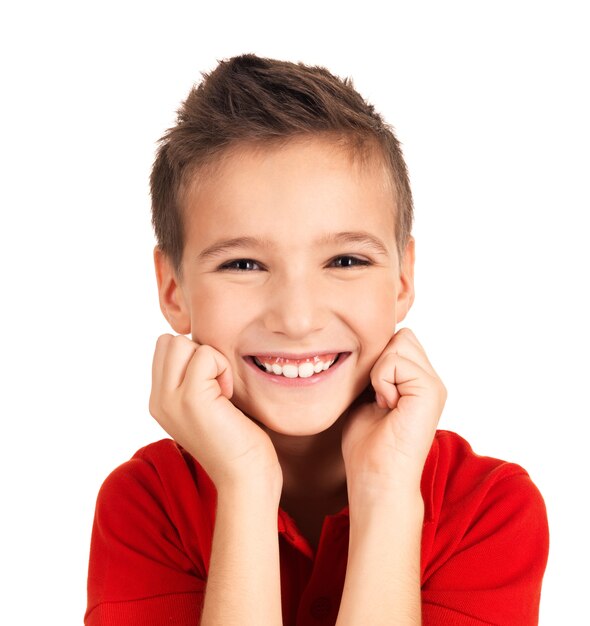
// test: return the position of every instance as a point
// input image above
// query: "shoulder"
(163, 462)
(485, 524)
(459, 486)
(454, 473)
(160, 485)
(485, 539)
(151, 534)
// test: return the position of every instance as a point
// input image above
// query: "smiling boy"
(305, 481)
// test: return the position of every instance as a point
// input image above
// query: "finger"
(397, 376)
(381, 401)
(405, 343)
(209, 365)
(158, 369)
(179, 351)
(159, 358)
(159, 362)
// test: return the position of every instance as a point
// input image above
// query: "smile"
(295, 368)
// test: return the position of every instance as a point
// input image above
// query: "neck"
(313, 467)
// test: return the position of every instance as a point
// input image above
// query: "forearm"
(382, 585)
(243, 586)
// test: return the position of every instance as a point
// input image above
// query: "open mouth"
(300, 368)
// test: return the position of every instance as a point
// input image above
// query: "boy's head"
(265, 102)
(276, 202)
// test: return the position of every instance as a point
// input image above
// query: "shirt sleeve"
(140, 573)
(489, 570)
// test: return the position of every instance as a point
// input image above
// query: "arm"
(151, 558)
(191, 388)
(384, 445)
(382, 583)
(487, 570)
(243, 586)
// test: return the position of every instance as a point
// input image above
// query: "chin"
(297, 421)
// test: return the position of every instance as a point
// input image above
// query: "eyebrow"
(224, 246)
(359, 237)
(227, 245)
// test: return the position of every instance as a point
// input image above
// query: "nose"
(296, 307)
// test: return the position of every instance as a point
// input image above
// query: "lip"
(297, 382)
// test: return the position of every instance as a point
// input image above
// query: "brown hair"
(249, 99)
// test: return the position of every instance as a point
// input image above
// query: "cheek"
(375, 314)
(214, 322)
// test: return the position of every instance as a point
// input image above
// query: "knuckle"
(163, 340)
(179, 342)
(179, 338)
(201, 349)
(204, 351)
(405, 332)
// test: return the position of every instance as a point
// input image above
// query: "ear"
(172, 301)
(405, 296)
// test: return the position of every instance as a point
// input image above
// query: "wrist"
(384, 489)
(367, 508)
(382, 584)
(249, 492)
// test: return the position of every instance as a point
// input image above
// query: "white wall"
(491, 103)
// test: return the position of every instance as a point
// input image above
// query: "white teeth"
(290, 370)
(306, 370)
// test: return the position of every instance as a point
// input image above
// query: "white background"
(491, 103)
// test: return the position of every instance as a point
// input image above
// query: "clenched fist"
(388, 434)
(191, 389)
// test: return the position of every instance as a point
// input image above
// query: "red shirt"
(484, 544)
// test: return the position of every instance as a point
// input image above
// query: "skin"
(360, 436)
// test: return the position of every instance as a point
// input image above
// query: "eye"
(347, 260)
(240, 265)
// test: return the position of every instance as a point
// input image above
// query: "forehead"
(293, 191)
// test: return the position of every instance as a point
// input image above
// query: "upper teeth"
(291, 370)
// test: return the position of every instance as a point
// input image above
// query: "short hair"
(253, 100)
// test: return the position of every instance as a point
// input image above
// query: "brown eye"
(240, 265)
(349, 261)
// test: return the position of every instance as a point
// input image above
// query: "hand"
(191, 388)
(389, 431)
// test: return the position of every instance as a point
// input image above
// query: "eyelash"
(357, 262)
(230, 266)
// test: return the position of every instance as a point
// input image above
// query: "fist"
(389, 431)
(190, 398)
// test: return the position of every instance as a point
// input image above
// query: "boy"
(283, 214)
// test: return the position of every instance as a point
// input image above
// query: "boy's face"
(290, 254)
